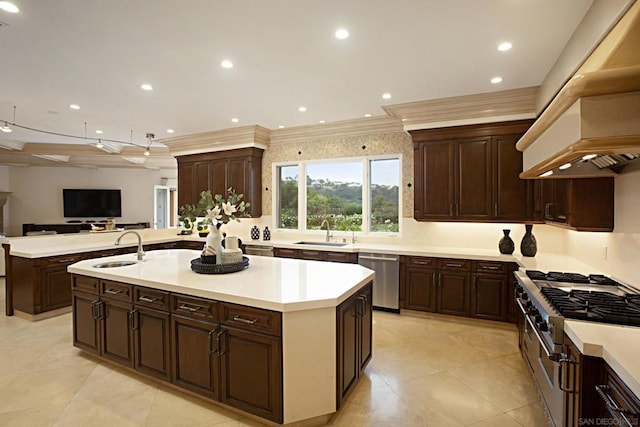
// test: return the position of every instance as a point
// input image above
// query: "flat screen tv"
(91, 203)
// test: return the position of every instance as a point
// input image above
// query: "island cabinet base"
(283, 367)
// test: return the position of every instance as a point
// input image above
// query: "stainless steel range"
(546, 299)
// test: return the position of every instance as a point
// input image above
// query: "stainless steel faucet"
(140, 253)
(324, 225)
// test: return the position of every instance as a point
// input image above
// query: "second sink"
(113, 264)
(320, 243)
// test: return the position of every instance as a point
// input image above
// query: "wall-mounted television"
(84, 203)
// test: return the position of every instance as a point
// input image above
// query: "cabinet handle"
(451, 209)
(99, 310)
(220, 351)
(457, 210)
(629, 417)
(132, 320)
(213, 351)
(489, 267)
(452, 265)
(420, 262)
(95, 313)
(439, 280)
(495, 210)
(547, 210)
(112, 291)
(189, 308)
(147, 299)
(61, 261)
(565, 360)
(237, 318)
(434, 279)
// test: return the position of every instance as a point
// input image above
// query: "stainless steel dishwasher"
(386, 283)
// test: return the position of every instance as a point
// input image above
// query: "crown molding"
(512, 102)
(341, 129)
(218, 140)
(11, 145)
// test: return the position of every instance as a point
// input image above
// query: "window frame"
(366, 192)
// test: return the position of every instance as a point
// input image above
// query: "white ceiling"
(97, 54)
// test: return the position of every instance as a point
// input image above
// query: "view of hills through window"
(335, 191)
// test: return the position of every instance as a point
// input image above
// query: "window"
(361, 194)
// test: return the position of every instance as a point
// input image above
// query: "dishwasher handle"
(374, 258)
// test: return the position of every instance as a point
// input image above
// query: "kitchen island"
(285, 339)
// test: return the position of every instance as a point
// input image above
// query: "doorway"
(161, 206)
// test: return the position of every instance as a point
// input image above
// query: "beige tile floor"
(426, 371)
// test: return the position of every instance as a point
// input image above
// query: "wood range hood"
(596, 114)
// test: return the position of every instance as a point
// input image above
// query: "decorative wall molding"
(492, 104)
(218, 140)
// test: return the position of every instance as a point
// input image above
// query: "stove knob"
(525, 297)
(534, 312)
(538, 319)
(543, 326)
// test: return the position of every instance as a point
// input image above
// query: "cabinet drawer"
(116, 290)
(312, 255)
(251, 319)
(286, 253)
(618, 397)
(153, 298)
(191, 244)
(63, 259)
(489, 267)
(84, 284)
(418, 261)
(454, 264)
(198, 308)
(346, 257)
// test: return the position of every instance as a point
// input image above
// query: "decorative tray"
(199, 267)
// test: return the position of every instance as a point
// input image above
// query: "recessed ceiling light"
(496, 80)
(503, 47)
(342, 34)
(280, 127)
(404, 119)
(99, 132)
(386, 96)
(547, 173)
(235, 120)
(321, 121)
(367, 115)
(170, 130)
(74, 106)
(589, 156)
(9, 7)
(302, 109)
(146, 86)
(565, 166)
(226, 64)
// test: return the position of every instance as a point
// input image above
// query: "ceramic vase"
(214, 240)
(528, 246)
(506, 245)
(255, 233)
(266, 234)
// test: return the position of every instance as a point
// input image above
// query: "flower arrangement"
(215, 210)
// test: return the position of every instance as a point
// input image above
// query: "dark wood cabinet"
(421, 284)
(116, 334)
(354, 328)
(471, 173)
(316, 255)
(584, 204)
(622, 406)
(151, 337)
(454, 288)
(86, 327)
(55, 291)
(240, 169)
(491, 291)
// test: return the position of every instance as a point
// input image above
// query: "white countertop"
(618, 345)
(271, 283)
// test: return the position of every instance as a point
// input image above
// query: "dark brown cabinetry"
(218, 171)
(584, 204)
(458, 287)
(471, 173)
(622, 406)
(354, 328)
(317, 255)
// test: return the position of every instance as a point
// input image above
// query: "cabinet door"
(420, 289)
(365, 327)
(151, 342)
(193, 357)
(186, 184)
(554, 196)
(251, 373)
(454, 293)
(489, 296)
(238, 174)
(473, 179)
(348, 364)
(86, 332)
(311, 255)
(219, 183)
(55, 287)
(512, 198)
(116, 341)
(434, 180)
(202, 172)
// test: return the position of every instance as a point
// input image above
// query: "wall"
(37, 192)
(623, 244)
(5, 184)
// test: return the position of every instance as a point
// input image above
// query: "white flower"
(214, 214)
(228, 208)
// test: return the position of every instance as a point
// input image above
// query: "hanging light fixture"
(99, 144)
(150, 136)
(6, 128)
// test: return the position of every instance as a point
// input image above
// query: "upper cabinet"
(218, 171)
(471, 173)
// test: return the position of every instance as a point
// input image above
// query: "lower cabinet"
(317, 255)
(458, 287)
(354, 333)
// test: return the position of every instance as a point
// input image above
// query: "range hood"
(592, 126)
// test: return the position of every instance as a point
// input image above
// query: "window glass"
(384, 195)
(334, 193)
(287, 200)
